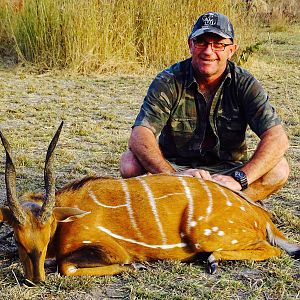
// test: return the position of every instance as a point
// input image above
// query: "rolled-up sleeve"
(157, 105)
(260, 114)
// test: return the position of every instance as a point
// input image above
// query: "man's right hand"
(199, 173)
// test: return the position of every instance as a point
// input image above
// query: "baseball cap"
(215, 23)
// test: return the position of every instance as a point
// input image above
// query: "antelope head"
(34, 223)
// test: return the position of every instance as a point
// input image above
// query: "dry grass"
(110, 35)
(98, 112)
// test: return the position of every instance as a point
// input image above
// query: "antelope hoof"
(139, 266)
(295, 254)
(212, 267)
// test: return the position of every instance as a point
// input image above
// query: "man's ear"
(6, 215)
(232, 50)
(190, 43)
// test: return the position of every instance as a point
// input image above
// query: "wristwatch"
(241, 178)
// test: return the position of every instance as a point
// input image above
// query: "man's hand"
(223, 179)
(199, 173)
(227, 181)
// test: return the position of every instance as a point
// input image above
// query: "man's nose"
(208, 49)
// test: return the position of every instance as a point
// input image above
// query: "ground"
(98, 112)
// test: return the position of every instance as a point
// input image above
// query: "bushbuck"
(99, 226)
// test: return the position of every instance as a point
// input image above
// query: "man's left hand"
(227, 181)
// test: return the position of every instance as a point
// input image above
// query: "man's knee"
(270, 182)
(130, 166)
(278, 175)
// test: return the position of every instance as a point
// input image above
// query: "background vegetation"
(117, 35)
(43, 48)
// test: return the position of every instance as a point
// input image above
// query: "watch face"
(239, 174)
(241, 177)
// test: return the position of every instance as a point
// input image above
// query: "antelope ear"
(68, 214)
(6, 215)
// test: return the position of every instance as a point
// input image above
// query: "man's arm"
(144, 146)
(270, 150)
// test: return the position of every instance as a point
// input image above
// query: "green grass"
(98, 112)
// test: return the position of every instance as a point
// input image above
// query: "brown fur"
(100, 225)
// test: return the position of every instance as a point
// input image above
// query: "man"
(194, 118)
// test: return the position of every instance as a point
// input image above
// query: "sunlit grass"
(111, 35)
(98, 112)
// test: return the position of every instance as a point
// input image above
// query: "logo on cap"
(215, 23)
(210, 19)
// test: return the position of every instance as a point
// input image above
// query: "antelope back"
(161, 216)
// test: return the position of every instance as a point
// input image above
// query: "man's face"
(207, 62)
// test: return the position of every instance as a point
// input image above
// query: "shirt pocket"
(231, 131)
(184, 125)
(230, 123)
(182, 131)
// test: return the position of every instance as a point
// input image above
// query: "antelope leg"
(258, 252)
(212, 264)
(70, 269)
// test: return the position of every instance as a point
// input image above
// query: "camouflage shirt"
(187, 132)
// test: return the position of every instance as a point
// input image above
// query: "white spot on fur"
(86, 242)
(228, 203)
(197, 246)
(230, 221)
(207, 232)
(221, 233)
(215, 229)
(193, 223)
(234, 242)
(255, 224)
(72, 269)
(242, 208)
(200, 218)
(220, 249)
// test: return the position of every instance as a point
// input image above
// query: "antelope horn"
(49, 178)
(10, 181)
